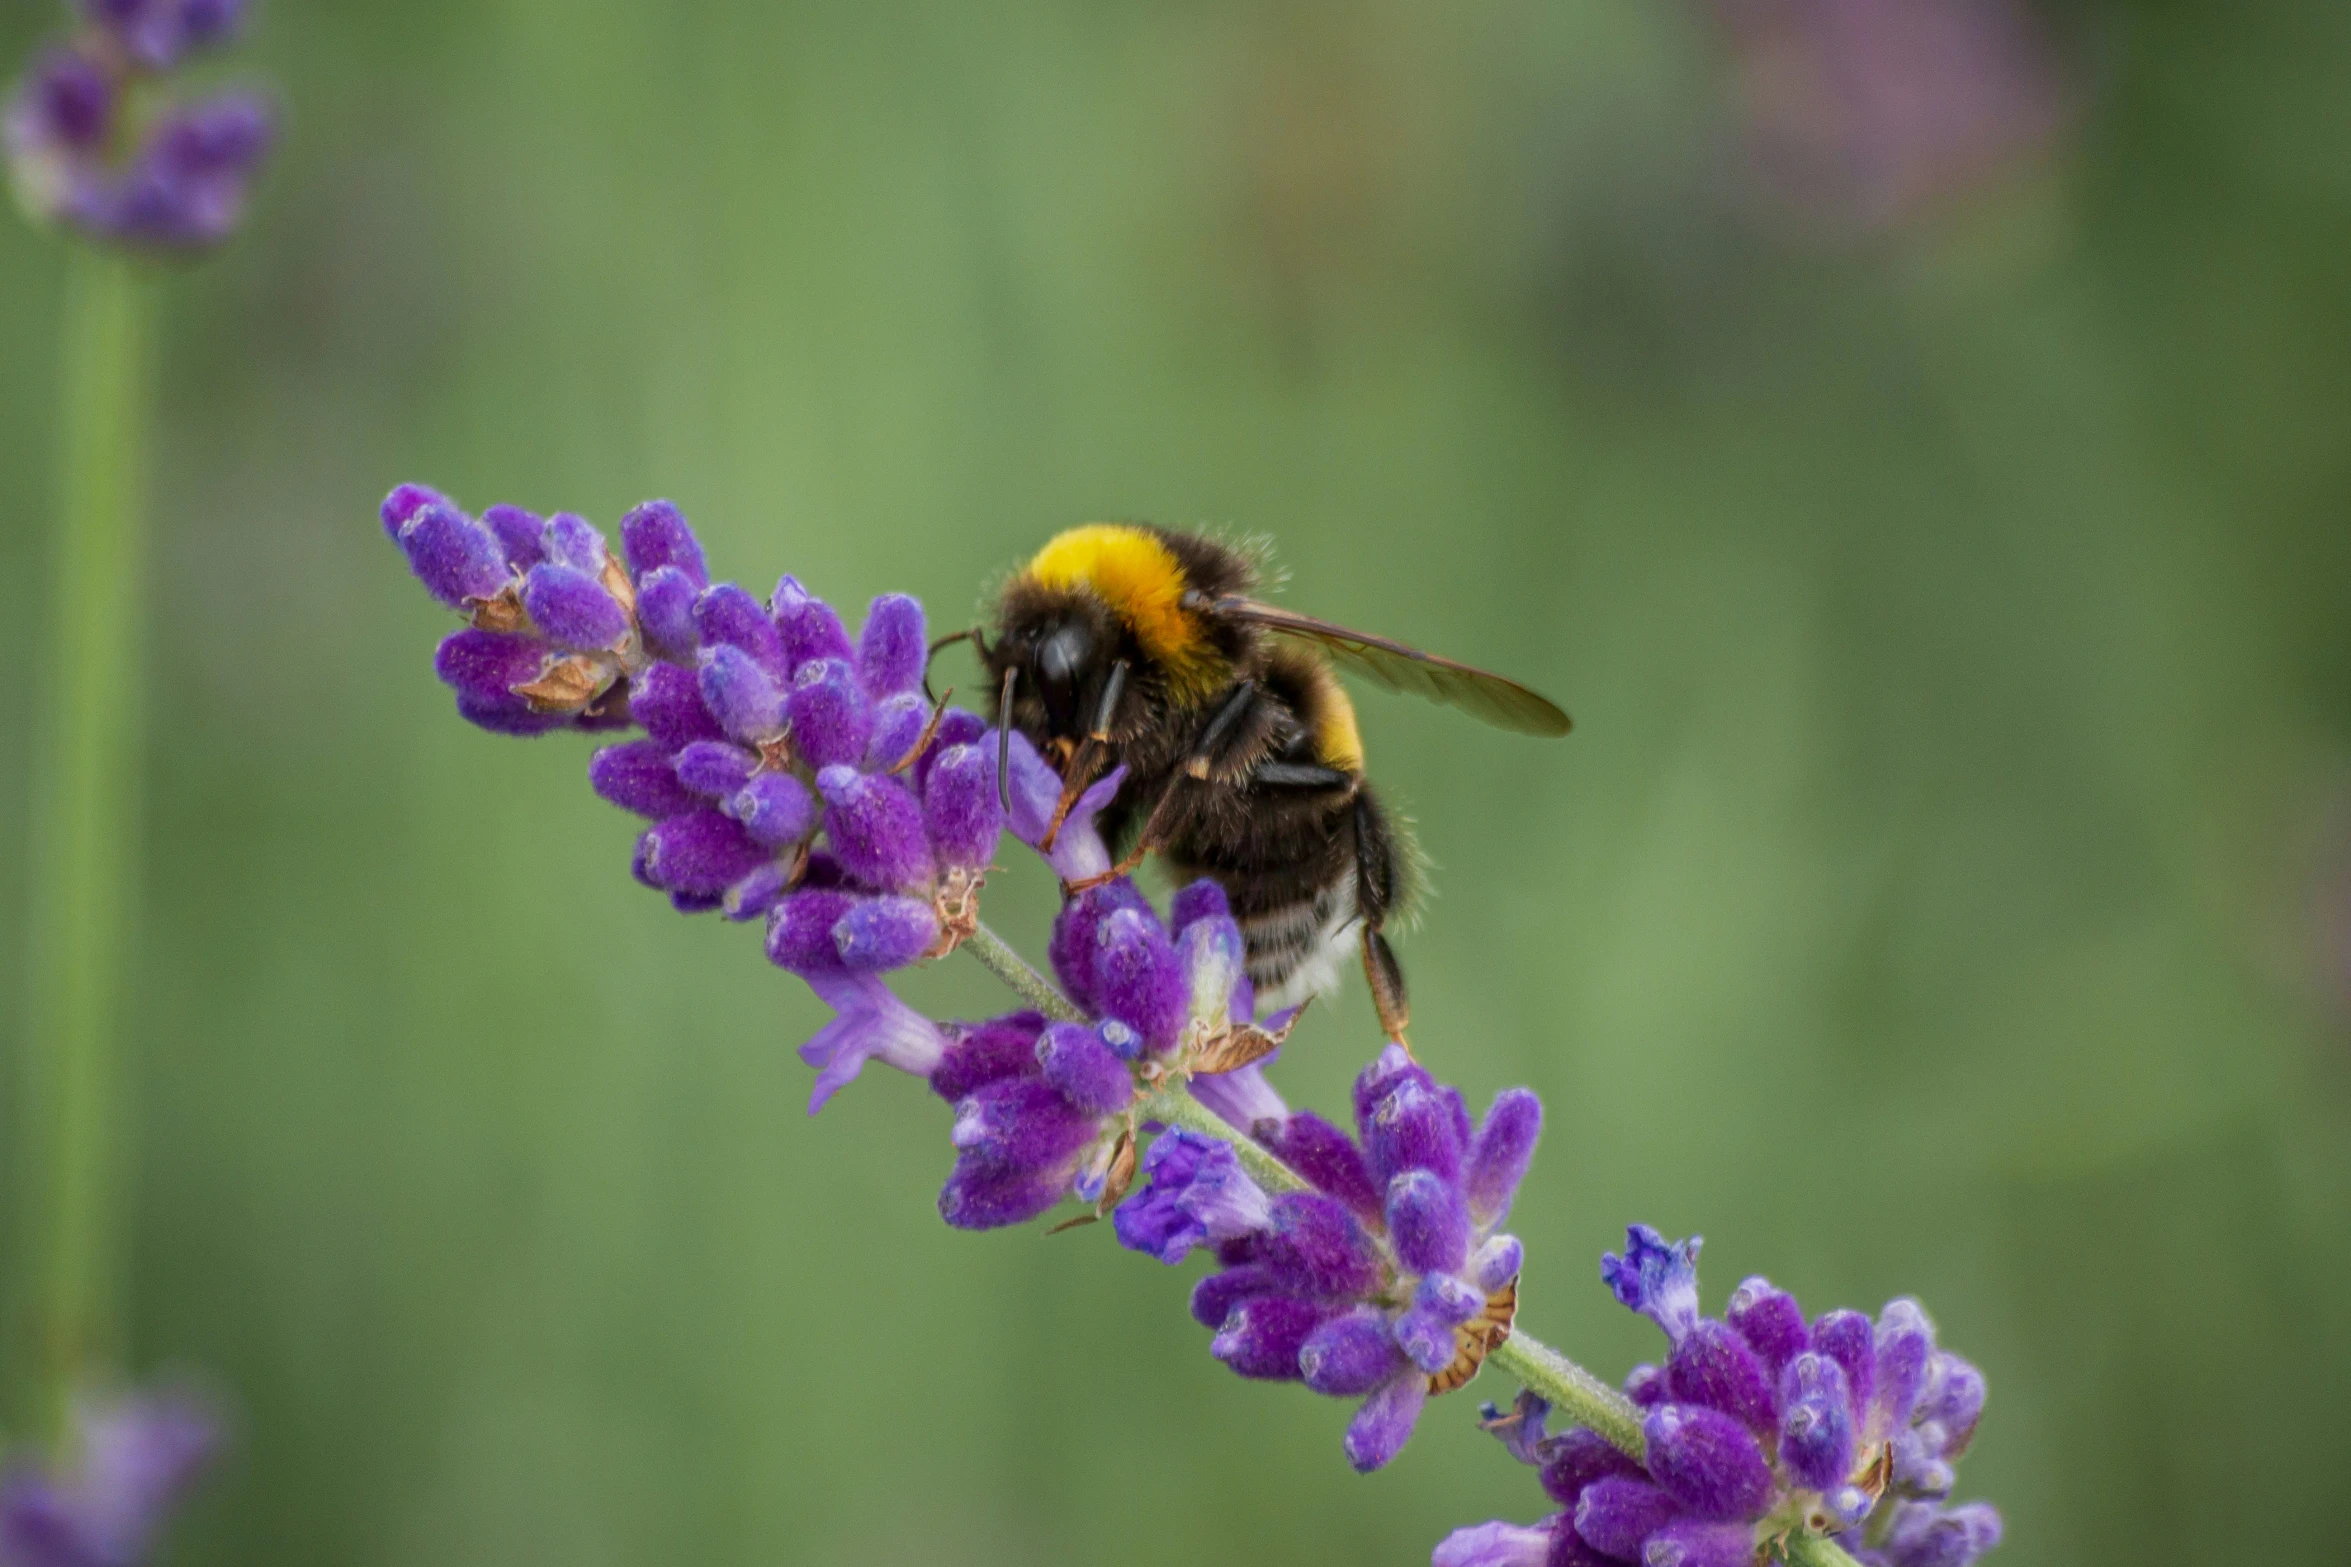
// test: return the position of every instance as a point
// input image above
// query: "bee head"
(1058, 648)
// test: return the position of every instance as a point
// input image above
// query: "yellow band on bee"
(1142, 582)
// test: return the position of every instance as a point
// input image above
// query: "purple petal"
(1384, 1423)
(1022, 1121)
(1494, 1544)
(1849, 1339)
(980, 1195)
(1197, 900)
(1077, 933)
(1243, 1098)
(872, 1024)
(1657, 1280)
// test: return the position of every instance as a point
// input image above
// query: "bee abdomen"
(1298, 947)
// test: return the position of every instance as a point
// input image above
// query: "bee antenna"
(1004, 741)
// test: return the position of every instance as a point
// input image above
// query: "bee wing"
(1503, 703)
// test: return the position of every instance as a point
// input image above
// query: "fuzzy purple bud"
(831, 717)
(665, 613)
(958, 726)
(1413, 1128)
(1905, 1340)
(521, 534)
(961, 809)
(1329, 1160)
(807, 626)
(740, 695)
(1849, 1339)
(699, 853)
(1023, 1122)
(572, 608)
(727, 614)
(1816, 1433)
(1707, 1462)
(1712, 1365)
(1616, 1513)
(1428, 1222)
(455, 557)
(898, 723)
(1505, 1147)
(655, 537)
(1262, 1336)
(876, 829)
(1138, 979)
(893, 648)
(483, 668)
(572, 540)
(1351, 1354)
(775, 808)
(886, 933)
(1770, 1321)
(667, 701)
(983, 1196)
(1954, 1402)
(638, 777)
(1579, 1459)
(1687, 1542)
(1077, 933)
(989, 1052)
(406, 501)
(1384, 1423)
(1074, 1060)
(1197, 900)
(714, 768)
(1317, 1248)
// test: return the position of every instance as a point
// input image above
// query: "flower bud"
(638, 777)
(1384, 1423)
(667, 701)
(737, 690)
(1579, 1459)
(960, 807)
(1616, 1513)
(1770, 1321)
(878, 934)
(654, 537)
(714, 768)
(700, 853)
(1316, 1248)
(572, 540)
(1427, 1222)
(1263, 1335)
(455, 557)
(1713, 1366)
(1686, 1542)
(572, 608)
(726, 613)
(1505, 1147)
(892, 649)
(1329, 1161)
(1412, 1128)
(830, 715)
(405, 501)
(775, 808)
(1089, 1075)
(807, 626)
(1904, 1341)
(483, 668)
(876, 829)
(665, 613)
(1847, 1338)
(1350, 1354)
(1707, 1462)
(1138, 980)
(1816, 1433)
(521, 534)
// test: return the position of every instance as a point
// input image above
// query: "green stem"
(1010, 967)
(1174, 1105)
(1583, 1397)
(84, 814)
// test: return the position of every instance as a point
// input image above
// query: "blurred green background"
(1947, 888)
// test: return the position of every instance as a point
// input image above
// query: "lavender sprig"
(795, 774)
(135, 1460)
(93, 145)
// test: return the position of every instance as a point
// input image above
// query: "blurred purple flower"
(136, 1458)
(1865, 111)
(184, 185)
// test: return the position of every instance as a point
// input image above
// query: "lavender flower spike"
(140, 1455)
(182, 185)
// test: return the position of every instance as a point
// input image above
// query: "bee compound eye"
(1062, 655)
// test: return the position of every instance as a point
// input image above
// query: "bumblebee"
(1130, 644)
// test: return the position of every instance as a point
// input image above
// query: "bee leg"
(1004, 741)
(1375, 895)
(1081, 766)
(930, 732)
(974, 636)
(1212, 733)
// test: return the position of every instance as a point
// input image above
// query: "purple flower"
(183, 185)
(1756, 1424)
(139, 1456)
(871, 1025)
(1387, 1282)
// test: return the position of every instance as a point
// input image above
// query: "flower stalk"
(83, 822)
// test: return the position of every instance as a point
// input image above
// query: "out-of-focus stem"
(83, 822)
(1010, 967)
